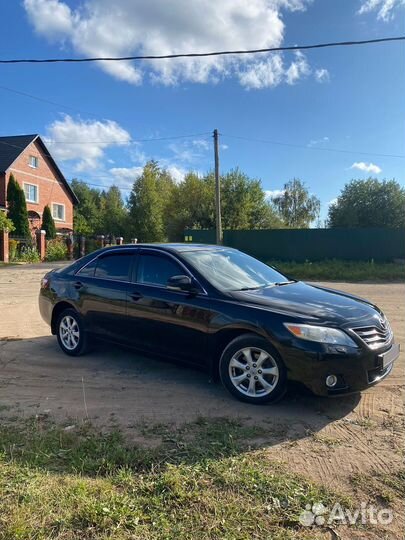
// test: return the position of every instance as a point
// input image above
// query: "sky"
(280, 115)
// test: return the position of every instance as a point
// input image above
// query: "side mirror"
(181, 283)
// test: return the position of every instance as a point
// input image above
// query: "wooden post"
(219, 236)
(69, 245)
(120, 240)
(4, 249)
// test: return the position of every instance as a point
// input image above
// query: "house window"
(58, 211)
(31, 193)
(34, 162)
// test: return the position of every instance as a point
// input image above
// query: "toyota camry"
(218, 308)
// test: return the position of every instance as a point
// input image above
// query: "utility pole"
(219, 236)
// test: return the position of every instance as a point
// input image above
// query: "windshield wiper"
(281, 283)
(255, 288)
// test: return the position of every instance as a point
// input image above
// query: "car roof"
(173, 247)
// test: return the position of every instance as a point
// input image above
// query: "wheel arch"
(57, 310)
(222, 339)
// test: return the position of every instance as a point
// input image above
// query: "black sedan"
(219, 308)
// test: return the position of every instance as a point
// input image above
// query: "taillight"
(44, 283)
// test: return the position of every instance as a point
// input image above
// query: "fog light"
(331, 381)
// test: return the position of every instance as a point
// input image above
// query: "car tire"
(252, 370)
(70, 332)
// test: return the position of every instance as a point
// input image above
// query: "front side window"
(34, 162)
(31, 193)
(58, 211)
(115, 266)
(231, 270)
(157, 269)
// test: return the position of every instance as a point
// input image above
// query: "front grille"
(375, 337)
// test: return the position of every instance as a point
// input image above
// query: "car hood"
(308, 301)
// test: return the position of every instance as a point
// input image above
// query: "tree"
(17, 208)
(113, 213)
(244, 204)
(191, 206)
(48, 223)
(86, 217)
(148, 202)
(297, 207)
(369, 203)
(5, 223)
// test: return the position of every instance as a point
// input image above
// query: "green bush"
(28, 254)
(56, 250)
(341, 270)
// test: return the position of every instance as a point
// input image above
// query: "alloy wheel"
(69, 332)
(253, 372)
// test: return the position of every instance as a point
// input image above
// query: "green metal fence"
(311, 244)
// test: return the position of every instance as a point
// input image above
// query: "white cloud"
(84, 140)
(271, 194)
(51, 17)
(331, 202)
(366, 167)
(95, 28)
(202, 144)
(384, 8)
(299, 68)
(126, 175)
(177, 173)
(322, 75)
(315, 142)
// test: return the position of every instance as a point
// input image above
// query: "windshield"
(231, 270)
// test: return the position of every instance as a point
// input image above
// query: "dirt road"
(328, 440)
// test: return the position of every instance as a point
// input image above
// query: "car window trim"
(161, 252)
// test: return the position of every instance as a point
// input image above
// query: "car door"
(101, 289)
(172, 323)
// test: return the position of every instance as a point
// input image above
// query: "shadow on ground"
(113, 386)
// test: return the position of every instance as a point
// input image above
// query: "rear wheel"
(252, 370)
(70, 332)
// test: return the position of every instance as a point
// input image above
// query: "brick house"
(28, 159)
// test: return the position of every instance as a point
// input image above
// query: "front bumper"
(355, 369)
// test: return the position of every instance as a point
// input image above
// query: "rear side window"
(115, 266)
(88, 271)
(156, 270)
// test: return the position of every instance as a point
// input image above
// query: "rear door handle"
(135, 296)
(78, 285)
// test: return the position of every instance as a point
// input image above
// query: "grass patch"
(339, 270)
(202, 482)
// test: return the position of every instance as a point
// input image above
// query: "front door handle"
(135, 296)
(78, 285)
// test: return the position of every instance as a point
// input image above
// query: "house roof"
(11, 147)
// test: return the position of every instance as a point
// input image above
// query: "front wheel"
(71, 336)
(252, 371)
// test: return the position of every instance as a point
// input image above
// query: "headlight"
(321, 334)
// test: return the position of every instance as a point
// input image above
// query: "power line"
(199, 55)
(43, 100)
(130, 141)
(291, 145)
